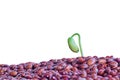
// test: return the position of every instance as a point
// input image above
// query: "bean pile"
(80, 68)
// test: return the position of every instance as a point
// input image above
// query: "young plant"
(72, 45)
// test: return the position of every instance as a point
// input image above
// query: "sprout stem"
(79, 41)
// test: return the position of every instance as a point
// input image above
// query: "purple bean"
(91, 61)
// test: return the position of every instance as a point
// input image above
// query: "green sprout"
(72, 45)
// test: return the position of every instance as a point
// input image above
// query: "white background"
(37, 30)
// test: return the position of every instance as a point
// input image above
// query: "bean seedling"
(73, 46)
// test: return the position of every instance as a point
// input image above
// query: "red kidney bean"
(81, 60)
(91, 61)
(102, 61)
(84, 74)
(29, 65)
(113, 64)
(101, 71)
(83, 66)
(13, 73)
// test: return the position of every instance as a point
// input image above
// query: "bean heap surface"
(79, 68)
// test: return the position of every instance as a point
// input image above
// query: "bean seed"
(91, 61)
